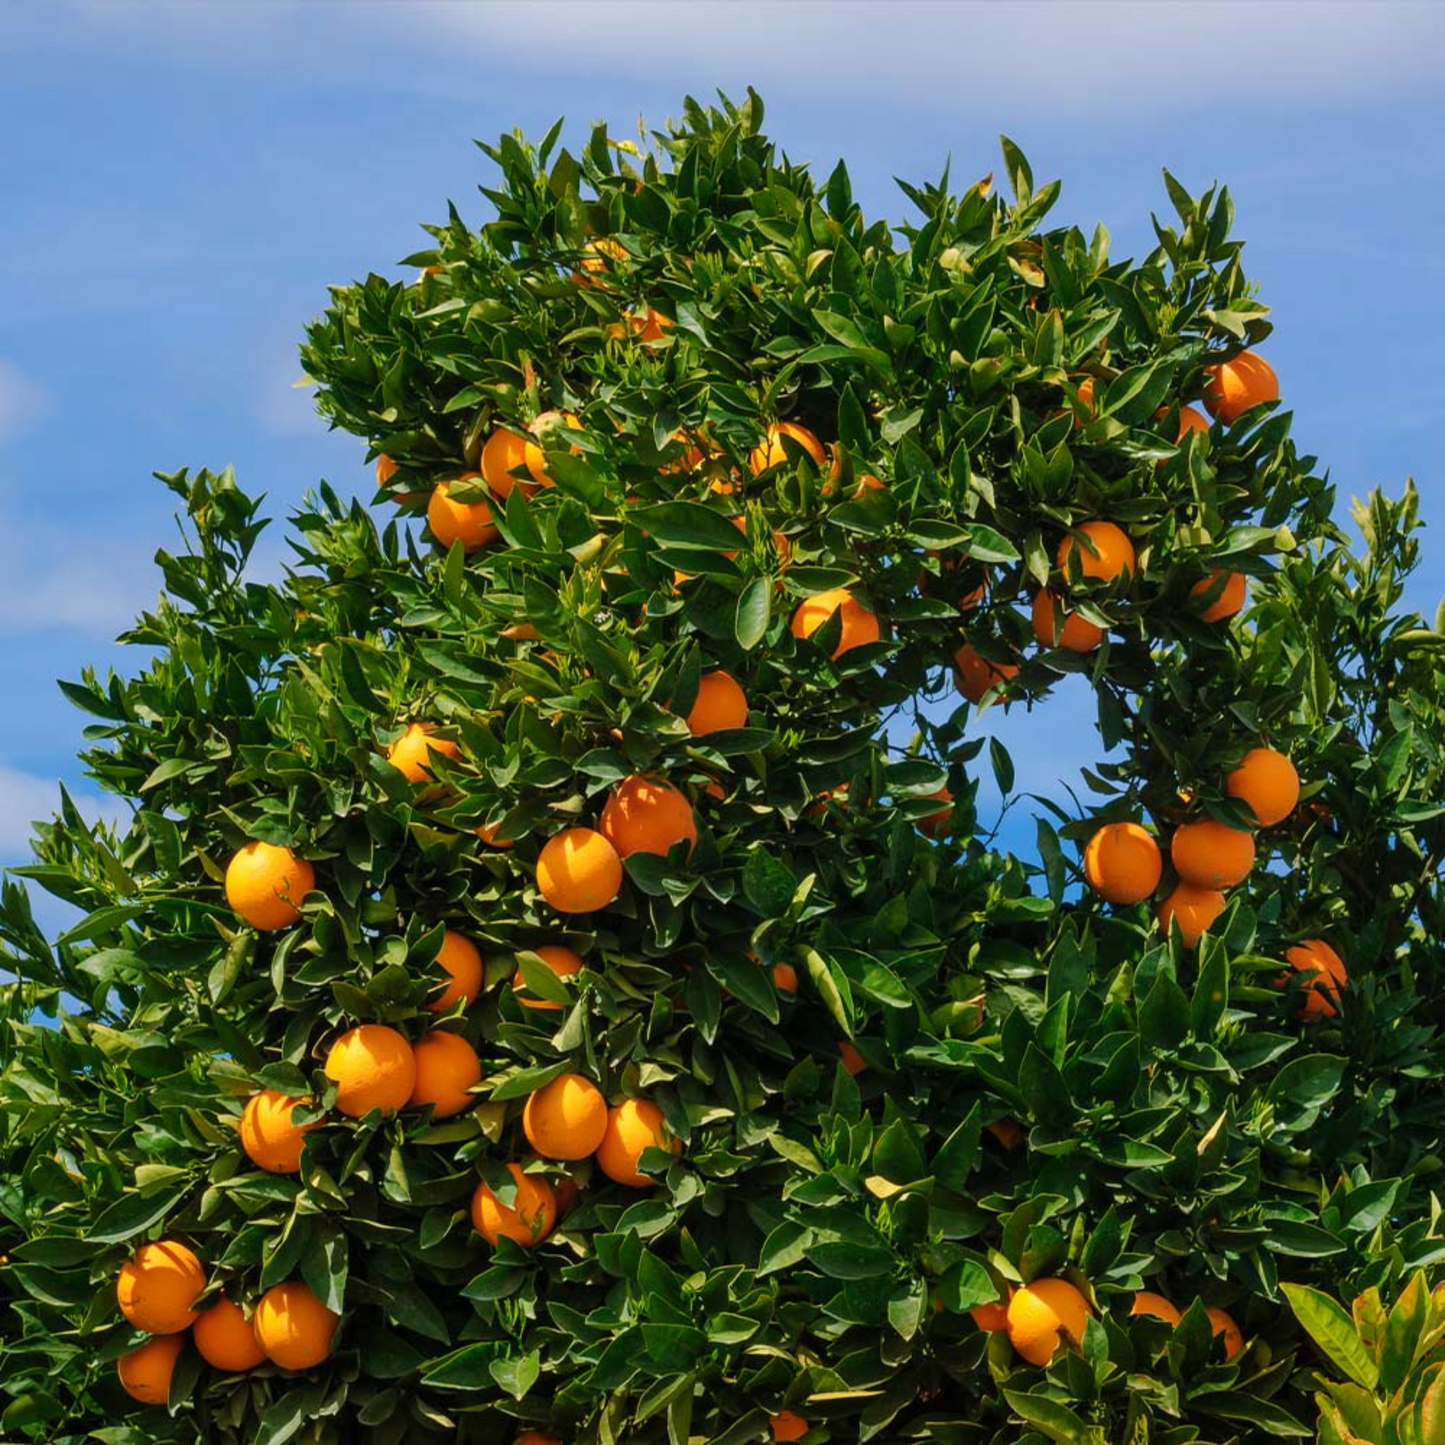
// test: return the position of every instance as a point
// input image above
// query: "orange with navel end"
(503, 454)
(1146, 1302)
(145, 1373)
(937, 824)
(787, 1426)
(547, 429)
(268, 1136)
(447, 1068)
(632, 1126)
(1229, 595)
(265, 885)
(469, 523)
(1207, 854)
(647, 815)
(565, 1119)
(1042, 1315)
(1056, 628)
(411, 753)
(860, 626)
(975, 675)
(459, 959)
(852, 1060)
(772, 452)
(1267, 782)
(373, 1067)
(293, 1327)
(1232, 387)
(578, 871)
(1104, 552)
(721, 705)
(1315, 956)
(1222, 1323)
(1122, 863)
(225, 1338)
(561, 960)
(1196, 910)
(158, 1285)
(526, 1221)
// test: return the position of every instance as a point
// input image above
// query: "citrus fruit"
(1196, 909)
(1041, 1312)
(772, 452)
(1007, 1132)
(852, 1060)
(487, 832)
(469, 523)
(860, 626)
(504, 453)
(561, 960)
(145, 1373)
(578, 871)
(459, 959)
(547, 429)
(1229, 595)
(1056, 628)
(411, 753)
(374, 1068)
(268, 1136)
(447, 1067)
(265, 885)
(225, 1338)
(158, 1285)
(1122, 863)
(598, 255)
(293, 1327)
(1146, 1302)
(787, 1426)
(632, 1126)
(1222, 1323)
(939, 823)
(1232, 387)
(1190, 419)
(526, 1221)
(991, 1318)
(1267, 781)
(386, 469)
(1315, 956)
(646, 815)
(975, 675)
(534, 1437)
(785, 978)
(1207, 854)
(1104, 552)
(565, 1119)
(721, 704)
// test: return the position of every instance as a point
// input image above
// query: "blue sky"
(182, 183)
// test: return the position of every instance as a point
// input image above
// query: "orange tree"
(556, 984)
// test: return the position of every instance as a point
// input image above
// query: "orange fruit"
(785, 978)
(293, 1327)
(411, 753)
(562, 961)
(459, 959)
(1190, 420)
(1040, 1313)
(1267, 781)
(1148, 1303)
(469, 523)
(565, 1119)
(447, 1067)
(1195, 908)
(145, 1373)
(158, 1285)
(1232, 387)
(1056, 628)
(771, 451)
(646, 815)
(1007, 1132)
(1084, 401)
(1228, 597)
(1207, 854)
(268, 1136)
(488, 834)
(386, 469)
(265, 885)
(546, 429)
(991, 1318)
(578, 871)
(598, 255)
(1315, 956)
(1106, 553)
(373, 1067)
(225, 1338)
(504, 453)
(721, 704)
(860, 626)
(526, 1221)
(863, 483)
(632, 1126)
(787, 1426)
(937, 824)
(853, 1061)
(975, 674)
(1122, 863)
(1222, 1323)
(535, 1437)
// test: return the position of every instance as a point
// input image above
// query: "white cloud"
(50, 582)
(23, 402)
(26, 798)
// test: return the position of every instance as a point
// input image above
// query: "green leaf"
(958, 1155)
(688, 524)
(516, 1374)
(754, 611)
(1403, 1329)
(848, 1260)
(1333, 1331)
(133, 1214)
(767, 884)
(1056, 1421)
(1311, 1081)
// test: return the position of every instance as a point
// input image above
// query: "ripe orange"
(459, 959)
(469, 523)
(787, 1426)
(1056, 628)
(1190, 420)
(158, 1285)
(225, 1338)
(785, 978)
(1106, 553)
(853, 1061)
(265, 885)
(488, 834)
(386, 469)
(1084, 401)
(646, 815)
(1267, 781)
(546, 429)
(1229, 596)
(771, 452)
(1232, 387)
(1207, 854)
(293, 1327)
(937, 824)
(1315, 956)
(976, 675)
(411, 753)
(1195, 908)
(721, 704)
(598, 255)
(561, 960)
(565, 1119)
(993, 1317)
(504, 453)
(374, 1068)
(526, 1221)
(860, 626)
(1122, 863)
(1223, 1324)
(646, 326)
(578, 871)
(1041, 1312)
(1148, 1303)
(1007, 1132)
(268, 1136)
(145, 1373)
(632, 1126)
(535, 1437)
(447, 1067)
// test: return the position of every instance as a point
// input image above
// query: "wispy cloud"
(50, 582)
(26, 798)
(23, 403)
